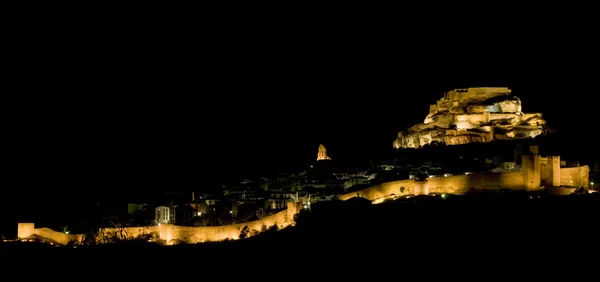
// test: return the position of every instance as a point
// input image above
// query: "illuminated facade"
(322, 154)
(163, 215)
(469, 115)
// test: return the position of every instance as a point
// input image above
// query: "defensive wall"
(26, 230)
(383, 190)
(455, 184)
(171, 233)
(575, 176)
(530, 179)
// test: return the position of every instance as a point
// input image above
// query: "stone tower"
(550, 171)
(531, 172)
(322, 154)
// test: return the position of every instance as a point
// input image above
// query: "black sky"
(170, 107)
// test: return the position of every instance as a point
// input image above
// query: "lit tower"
(322, 155)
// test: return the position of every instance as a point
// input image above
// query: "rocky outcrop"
(473, 115)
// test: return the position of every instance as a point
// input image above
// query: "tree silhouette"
(244, 232)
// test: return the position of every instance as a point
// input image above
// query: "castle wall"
(187, 234)
(131, 232)
(383, 190)
(170, 232)
(59, 237)
(531, 171)
(28, 229)
(458, 184)
(575, 176)
(25, 230)
(421, 188)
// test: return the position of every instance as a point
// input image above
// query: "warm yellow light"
(322, 155)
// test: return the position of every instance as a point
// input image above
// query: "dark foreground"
(497, 228)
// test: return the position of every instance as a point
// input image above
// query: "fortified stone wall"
(531, 171)
(575, 176)
(529, 179)
(187, 234)
(456, 184)
(131, 232)
(28, 229)
(383, 190)
(170, 232)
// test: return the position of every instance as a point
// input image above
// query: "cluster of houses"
(250, 199)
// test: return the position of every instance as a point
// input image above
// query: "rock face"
(470, 115)
(322, 154)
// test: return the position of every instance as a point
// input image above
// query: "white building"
(163, 215)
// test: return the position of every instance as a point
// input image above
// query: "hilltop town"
(451, 153)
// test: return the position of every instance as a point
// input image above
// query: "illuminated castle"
(481, 114)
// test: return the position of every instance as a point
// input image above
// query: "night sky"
(175, 110)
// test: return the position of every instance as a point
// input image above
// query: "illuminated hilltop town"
(473, 115)
(247, 207)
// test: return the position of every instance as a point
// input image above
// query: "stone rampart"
(455, 184)
(26, 230)
(173, 233)
(575, 176)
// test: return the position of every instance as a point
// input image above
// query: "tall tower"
(552, 171)
(322, 154)
(531, 172)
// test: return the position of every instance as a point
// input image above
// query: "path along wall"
(169, 232)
